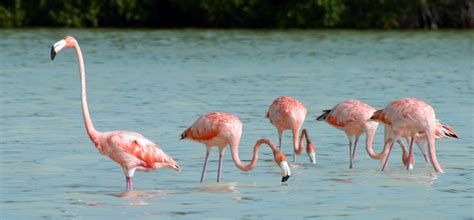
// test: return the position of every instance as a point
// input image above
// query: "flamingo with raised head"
(219, 129)
(409, 117)
(130, 150)
(352, 117)
(287, 113)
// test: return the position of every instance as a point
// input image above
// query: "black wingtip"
(53, 53)
(324, 115)
(285, 178)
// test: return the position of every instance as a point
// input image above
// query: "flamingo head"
(280, 159)
(67, 42)
(406, 160)
(311, 151)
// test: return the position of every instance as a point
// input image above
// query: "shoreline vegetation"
(327, 14)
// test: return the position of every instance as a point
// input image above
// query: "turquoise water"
(158, 82)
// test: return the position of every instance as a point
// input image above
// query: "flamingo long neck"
(297, 146)
(304, 135)
(235, 154)
(85, 109)
(370, 131)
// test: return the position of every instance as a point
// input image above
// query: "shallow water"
(158, 82)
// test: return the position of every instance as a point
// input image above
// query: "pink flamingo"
(442, 131)
(352, 117)
(409, 117)
(221, 129)
(287, 113)
(131, 150)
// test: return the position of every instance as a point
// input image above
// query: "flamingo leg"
(205, 165)
(129, 183)
(350, 153)
(279, 139)
(410, 155)
(354, 150)
(221, 153)
(388, 154)
(421, 146)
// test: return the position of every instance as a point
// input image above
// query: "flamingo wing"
(143, 149)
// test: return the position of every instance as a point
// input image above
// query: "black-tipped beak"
(53, 53)
(285, 178)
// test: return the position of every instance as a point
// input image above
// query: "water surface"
(157, 82)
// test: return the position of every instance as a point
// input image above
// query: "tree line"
(364, 14)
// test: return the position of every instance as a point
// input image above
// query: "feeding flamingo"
(221, 129)
(130, 150)
(287, 113)
(409, 117)
(352, 117)
(442, 131)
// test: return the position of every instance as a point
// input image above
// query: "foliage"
(383, 14)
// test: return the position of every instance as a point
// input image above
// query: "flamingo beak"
(312, 157)
(285, 171)
(53, 53)
(58, 46)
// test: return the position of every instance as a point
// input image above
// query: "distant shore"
(340, 14)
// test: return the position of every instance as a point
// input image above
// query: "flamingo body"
(133, 151)
(350, 116)
(215, 129)
(286, 113)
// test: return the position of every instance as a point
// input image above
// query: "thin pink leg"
(421, 145)
(205, 165)
(388, 155)
(279, 140)
(219, 168)
(129, 183)
(350, 154)
(354, 150)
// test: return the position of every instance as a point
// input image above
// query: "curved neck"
(370, 140)
(297, 146)
(304, 134)
(235, 154)
(85, 109)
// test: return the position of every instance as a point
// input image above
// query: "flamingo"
(441, 131)
(408, 118)
(352, 117)
(130, 150)
(221, 129)
(287, 113)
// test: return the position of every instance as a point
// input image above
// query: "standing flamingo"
(221, 129)
(131, 150)
(408, 117)
(287, 113)
(352, 117)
